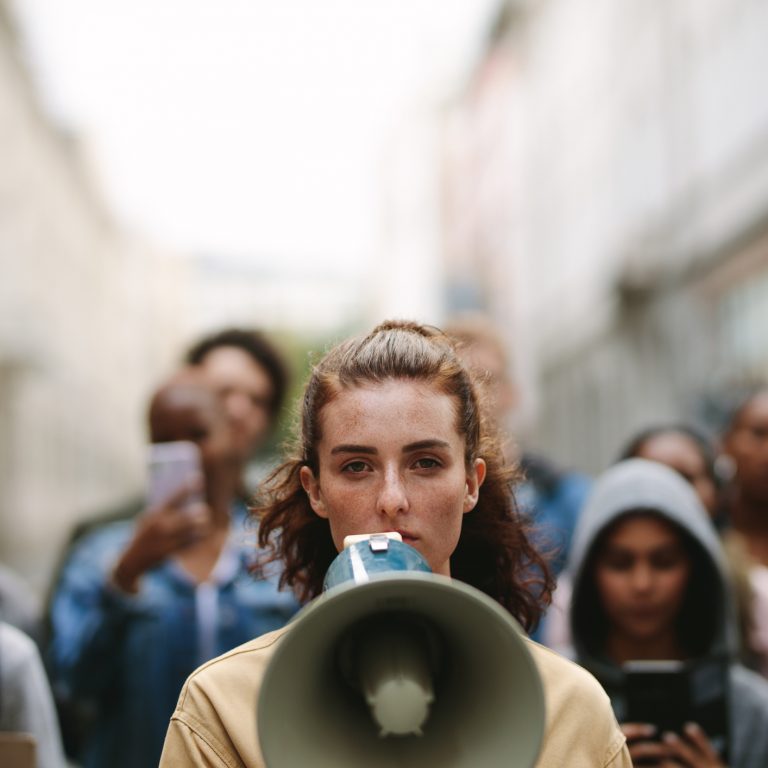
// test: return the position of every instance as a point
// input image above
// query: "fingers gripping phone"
(669, 694)
(171, 467)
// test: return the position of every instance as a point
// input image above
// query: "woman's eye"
(426, 463)
(355, 467)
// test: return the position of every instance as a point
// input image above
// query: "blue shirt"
(552, 508)
(553, 514)
(128, 656)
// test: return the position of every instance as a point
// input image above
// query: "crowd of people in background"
(663, 557)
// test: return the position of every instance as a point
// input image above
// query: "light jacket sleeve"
(621, 759)
(581, 729)
(186, 748)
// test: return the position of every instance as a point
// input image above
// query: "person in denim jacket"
(141, 603)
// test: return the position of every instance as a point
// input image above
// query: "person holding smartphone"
(651, 617)
(140, 603)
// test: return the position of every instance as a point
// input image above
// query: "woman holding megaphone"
(393, 439)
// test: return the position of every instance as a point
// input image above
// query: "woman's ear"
(475, 478)
(312, 487)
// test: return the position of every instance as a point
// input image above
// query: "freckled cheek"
(447, 522)
(350, 512)
(445, 508)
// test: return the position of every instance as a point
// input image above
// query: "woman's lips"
(644, 613)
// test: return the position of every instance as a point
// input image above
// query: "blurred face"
(246, 392)
(641, 575)
(680, 452)
(487, 361)
(747, 444)
(391, 459)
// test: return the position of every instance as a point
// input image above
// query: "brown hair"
(493, 553)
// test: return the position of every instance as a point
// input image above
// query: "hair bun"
(408, 326)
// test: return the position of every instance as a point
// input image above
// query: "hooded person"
(649, 583)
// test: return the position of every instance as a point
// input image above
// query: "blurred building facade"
(309, 303)
(87, 325)
(605, 198)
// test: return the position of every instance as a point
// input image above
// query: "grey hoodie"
(637, 484)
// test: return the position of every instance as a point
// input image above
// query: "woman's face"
(680, 452)
(246, 390)
(641, 574)
(391, 459)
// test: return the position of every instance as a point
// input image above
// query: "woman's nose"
(393, 499)
(238, 405)
(642, 577)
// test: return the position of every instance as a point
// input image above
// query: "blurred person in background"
(250, 375)
(140, 603)
(26, 705)
(649, 583)
(549, 497)
(694, 457)
(19, 605)
(690, 453)
(745, 444)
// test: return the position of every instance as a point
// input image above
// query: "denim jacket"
(128, 656)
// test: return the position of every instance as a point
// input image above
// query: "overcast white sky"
(244, 126)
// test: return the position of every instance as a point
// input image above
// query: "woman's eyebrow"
(346, 448)
(422, 444)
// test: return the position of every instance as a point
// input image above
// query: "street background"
(593, 175)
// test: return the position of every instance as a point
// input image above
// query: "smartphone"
(170, 467)
(657, 692)
(669, 694)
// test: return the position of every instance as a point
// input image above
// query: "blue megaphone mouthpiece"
(371, 555)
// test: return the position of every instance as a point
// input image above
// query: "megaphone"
(395, 666)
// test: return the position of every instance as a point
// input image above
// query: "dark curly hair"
(494, 553)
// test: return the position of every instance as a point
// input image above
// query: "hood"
(634, 485)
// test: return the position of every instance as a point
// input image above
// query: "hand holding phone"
(657, 692)
(171, 468)
(676, 713)
(176, 514)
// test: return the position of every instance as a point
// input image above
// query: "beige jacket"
(215, 720)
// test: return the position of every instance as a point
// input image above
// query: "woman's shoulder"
(216, 711)
(562, 677)
(580, 727)
(234, 665)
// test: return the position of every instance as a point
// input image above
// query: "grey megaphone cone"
(488, 705)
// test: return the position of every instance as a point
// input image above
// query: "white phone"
(171, 466)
